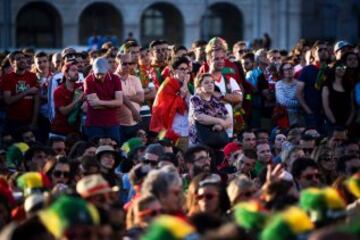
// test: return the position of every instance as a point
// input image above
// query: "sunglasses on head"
(63, 173)
(207, 196)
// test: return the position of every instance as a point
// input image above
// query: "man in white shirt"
(228, 89)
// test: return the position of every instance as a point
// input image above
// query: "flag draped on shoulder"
(167, 103)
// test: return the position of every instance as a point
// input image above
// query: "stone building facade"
(60, 23)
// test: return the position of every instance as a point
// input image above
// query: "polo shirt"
(105, 90)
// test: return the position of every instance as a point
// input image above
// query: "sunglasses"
(59, 173)
(59, 149)
(127, 63)
(312, 176)
(288, 69)
(248, 194)
(308, 150)
(206, 196)
(150, 162)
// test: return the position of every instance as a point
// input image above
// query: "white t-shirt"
(234, 87)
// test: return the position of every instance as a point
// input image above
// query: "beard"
(200, 169)
(74, 79)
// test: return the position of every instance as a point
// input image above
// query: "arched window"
(38, 24)
(162, 21)
(101, 19)
(223, 20)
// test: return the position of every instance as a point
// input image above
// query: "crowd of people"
(164, 142)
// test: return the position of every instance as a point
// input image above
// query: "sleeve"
(262, 82)
(6, 86)
(197, 105)
(250, 78)
(222, 108)
(302, 75)
(58, 98)
(138, 86)
(117, 83)
(34, 81)
(357, 94)
(282, 98)
(88, 87)
(234, 85)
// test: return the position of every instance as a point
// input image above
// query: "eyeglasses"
(202, 158)
(58, 174)
(312, 176)
(206, 196)
(183, 69)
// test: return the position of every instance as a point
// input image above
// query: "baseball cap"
(341, 44)
(100, 65)
(67, 51)
(104, 148)
(155, 148)
(93, 185)
(230, 148)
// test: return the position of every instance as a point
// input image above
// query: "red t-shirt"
(105, 91)
(21, 110)
(62, 97)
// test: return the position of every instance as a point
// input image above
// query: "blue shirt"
(312, 96)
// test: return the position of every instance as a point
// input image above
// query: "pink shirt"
(130, 87)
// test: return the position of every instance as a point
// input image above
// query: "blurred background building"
(60, 23)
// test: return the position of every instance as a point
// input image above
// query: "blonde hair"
(236, 186)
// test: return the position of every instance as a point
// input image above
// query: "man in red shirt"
(104, 96)
(65, 102)
(21, 94)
